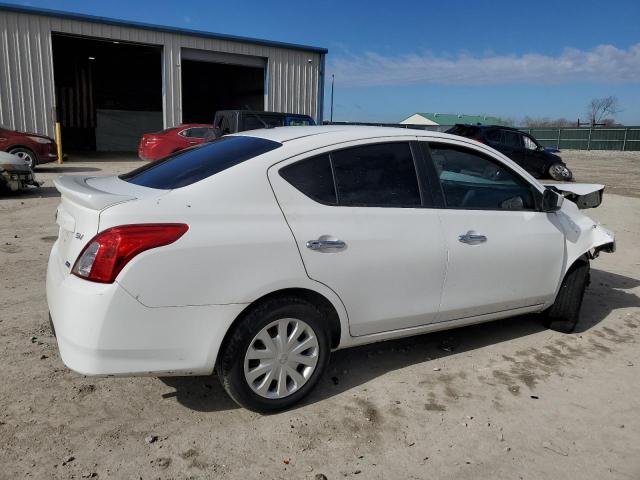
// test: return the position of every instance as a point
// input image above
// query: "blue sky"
(506, 58)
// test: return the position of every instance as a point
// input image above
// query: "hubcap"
(25, 156)
(281, 358)
(561, 170)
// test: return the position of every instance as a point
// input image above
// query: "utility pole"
(332, 80)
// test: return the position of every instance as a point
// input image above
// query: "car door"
(363, 226)
(504, 254)
(511, 146)
(535, 156)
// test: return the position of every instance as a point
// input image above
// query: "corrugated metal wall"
(27, 97)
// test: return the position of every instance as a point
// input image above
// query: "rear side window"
(463, 130)
(380, 175)
(194, 164)
(511, 139)
(312, 177)
(253, 122)
(376, 175)
(493, 135)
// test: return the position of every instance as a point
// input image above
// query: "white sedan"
(257, 254)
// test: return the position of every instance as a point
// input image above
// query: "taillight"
(109, 251)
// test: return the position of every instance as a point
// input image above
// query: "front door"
(503, 253)
(359, 220)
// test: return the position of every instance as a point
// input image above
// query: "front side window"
(195, 164)
(529, 144)
(470, 180)
(379, 175)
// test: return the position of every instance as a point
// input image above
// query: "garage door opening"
(211, 86)
(108, 93)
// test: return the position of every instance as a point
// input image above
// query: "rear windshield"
(192, 165)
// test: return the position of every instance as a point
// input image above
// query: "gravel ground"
(507, 399)
(619, 171)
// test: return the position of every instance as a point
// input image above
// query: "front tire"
(275, 355)
(563, 315)
(559, 171)
(25, 154)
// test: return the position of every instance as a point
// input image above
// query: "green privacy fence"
(614, 138)
(600, 138)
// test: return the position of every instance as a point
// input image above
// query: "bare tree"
(601, 108)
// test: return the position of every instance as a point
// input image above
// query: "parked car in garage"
(35, 149)
(234, 121)
(520, 147)
(258, 253)
(15, 173)
(158, 145)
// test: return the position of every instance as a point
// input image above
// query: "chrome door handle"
(323, 244)
(472, 238)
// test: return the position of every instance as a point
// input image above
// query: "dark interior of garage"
(208, 87)
(107, 92)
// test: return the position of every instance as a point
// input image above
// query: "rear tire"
(291, 380)
(563, 315)
(560, 172)
(27, 155)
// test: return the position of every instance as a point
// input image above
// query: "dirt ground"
(619, 171)
(504, 400)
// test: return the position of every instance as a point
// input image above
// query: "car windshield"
(194, 164)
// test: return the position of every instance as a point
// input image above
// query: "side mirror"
(551, 201)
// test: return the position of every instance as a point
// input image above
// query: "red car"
(32, 147)
(155, 146)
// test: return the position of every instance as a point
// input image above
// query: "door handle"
(472, 238)
(325, 244)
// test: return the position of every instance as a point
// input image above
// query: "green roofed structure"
(451, 119)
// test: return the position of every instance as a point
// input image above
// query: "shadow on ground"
(64, 169)
(31, 192)
(606, 294)
(102, 157)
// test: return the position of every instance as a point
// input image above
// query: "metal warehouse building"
(108, 81)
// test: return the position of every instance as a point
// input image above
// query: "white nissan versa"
(257, 254)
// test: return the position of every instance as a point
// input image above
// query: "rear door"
(361, 221)
(504, 254)
(511, 145)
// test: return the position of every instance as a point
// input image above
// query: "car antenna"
(261, 120)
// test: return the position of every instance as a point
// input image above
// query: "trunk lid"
(78, 214)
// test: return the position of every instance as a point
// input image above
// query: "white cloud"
(604, 63)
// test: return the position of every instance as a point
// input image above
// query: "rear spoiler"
(76, 189)
(584, 195)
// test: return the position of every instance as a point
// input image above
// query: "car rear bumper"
(102, 330)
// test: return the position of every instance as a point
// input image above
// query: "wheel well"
(24, 147)
(321, 302)
(581, 260)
